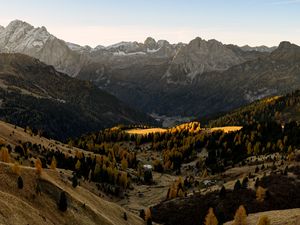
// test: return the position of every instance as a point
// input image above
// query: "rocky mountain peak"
(162, 43)
(150, 43)
(17, 24)
(286, 45)
(286, 51)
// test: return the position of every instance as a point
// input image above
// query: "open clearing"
(162, 130)
(146, 131)
(226, 129)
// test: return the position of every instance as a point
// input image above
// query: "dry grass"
(146, 131)
(144, 196)
(227, 129)
(85, 206)
(12, 135)
(277, 217)
(27, 207)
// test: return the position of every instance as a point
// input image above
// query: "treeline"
(181, 144)
(274, 192)
(177, 144)
(280, 109)
(227, 149)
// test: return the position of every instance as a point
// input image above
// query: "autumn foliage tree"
(264, 220)
(210, 218)
(4, 155)
(260, 194)
(16, 168)
(240, 217)
(38, 166)
(148, 216)
(124, 164)
(53, 163)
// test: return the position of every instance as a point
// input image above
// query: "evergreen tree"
(20, 182)
(125, 216)
(63, 204)
(74, 180)
(245, 183)
(222, 192)
(237, 185)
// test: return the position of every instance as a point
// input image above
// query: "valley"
(183, 130)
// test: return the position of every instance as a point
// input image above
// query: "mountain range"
(199, 78)
(36, 95)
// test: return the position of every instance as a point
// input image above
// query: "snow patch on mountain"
(121, 53)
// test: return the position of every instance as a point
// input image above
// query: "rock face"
(36, 95)
(152, 76)
(201, 56)
(21, 37)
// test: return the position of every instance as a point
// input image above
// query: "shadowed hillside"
(36, 95)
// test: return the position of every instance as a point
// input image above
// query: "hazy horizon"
(254, 23)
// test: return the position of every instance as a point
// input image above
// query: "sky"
(100, 22)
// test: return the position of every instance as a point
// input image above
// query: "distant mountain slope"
(153, 80)
(201, 77)
(279, 108)
(261, 48)
(36, 95)
(214, 92)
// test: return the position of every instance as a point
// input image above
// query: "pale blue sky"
(94, 22)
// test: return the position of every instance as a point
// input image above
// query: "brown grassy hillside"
(27, 206)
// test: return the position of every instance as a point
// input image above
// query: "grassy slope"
(277, 217)
(29, 208)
